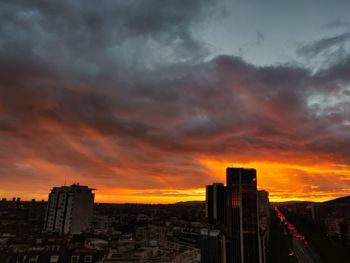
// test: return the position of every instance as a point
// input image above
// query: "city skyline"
(236, 223)
(149, 101)
(14, 198)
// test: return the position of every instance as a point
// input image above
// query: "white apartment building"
(69, 209)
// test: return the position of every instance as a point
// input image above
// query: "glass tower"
(242, 216)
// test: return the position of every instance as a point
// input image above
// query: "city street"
(304, 253)
(301, 248)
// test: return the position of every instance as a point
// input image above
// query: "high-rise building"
(242, 216)
(264, 222)
(212, 246)
(216, 203)
(69, 209)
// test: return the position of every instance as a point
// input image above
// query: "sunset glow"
(150, 103)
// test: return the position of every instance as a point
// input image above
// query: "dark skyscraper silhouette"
(242, 216)
(216, 203)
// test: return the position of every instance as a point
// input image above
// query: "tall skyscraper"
(216, 203)
(69, 209)
(242, 224)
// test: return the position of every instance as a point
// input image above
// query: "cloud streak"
(124, 96)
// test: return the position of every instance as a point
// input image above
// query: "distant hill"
(190, 203)
(345, 199)
(292, 202)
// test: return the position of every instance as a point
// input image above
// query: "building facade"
(69, 209)
(264, 223)
(242, 216)
(212, 246)
(216, 203)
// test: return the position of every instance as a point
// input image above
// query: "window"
(54, 258)
(21, 259)
(88, 259)
(74, 259)
(33, 259)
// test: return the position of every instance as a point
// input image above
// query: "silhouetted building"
(216, 203)
(345, 231)
(242, 216)
(212, 246)
(69, 209)
(264, 222)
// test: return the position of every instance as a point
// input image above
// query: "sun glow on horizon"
(286, 182)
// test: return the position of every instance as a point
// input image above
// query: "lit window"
(33, 259)
(54, 258)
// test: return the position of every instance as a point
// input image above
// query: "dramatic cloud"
(326, 52)
(322, 45)
(122, 96)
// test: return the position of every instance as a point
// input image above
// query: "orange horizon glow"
(132, 198)
(152, 108)
(281, 180)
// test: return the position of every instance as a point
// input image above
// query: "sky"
(149, 101)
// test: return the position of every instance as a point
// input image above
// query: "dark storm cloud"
(100, 38)
(329, 47)
(109, 89)
(58, 58)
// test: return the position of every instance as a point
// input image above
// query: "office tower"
(242, 216)
(212, 246)
(69, 209)
(216, 203)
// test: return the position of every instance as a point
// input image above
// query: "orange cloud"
(149, 133)
(286, 181)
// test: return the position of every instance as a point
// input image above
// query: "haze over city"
(149, 101)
